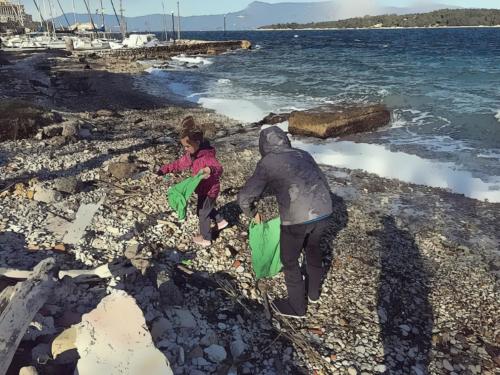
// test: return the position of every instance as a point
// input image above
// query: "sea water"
(442, 86)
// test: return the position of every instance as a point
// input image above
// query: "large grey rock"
(216, 353)
(20, 119)
(122, 170)
(70, 128)
(335, 121)
(68, 185)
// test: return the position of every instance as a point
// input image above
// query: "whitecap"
(224, 81)
(497, 116)
(197, 60)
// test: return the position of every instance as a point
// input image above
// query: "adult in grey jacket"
(305, 204)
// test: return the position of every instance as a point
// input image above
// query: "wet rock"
(216, 353)
(330, 121)
(273, 119)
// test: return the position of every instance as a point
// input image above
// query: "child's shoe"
(199, 240)
(222, 225)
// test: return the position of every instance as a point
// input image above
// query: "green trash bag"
(265, 245)
(178, 195)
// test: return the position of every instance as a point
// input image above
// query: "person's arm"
(177, 166)
(214, 169)
(253, 190)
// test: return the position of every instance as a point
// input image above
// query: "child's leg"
(204, 209)
(214, 214)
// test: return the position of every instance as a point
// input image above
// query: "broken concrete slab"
(84, 217)
(108, 346)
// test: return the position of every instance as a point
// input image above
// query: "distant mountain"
(255, 15)
(439, 18)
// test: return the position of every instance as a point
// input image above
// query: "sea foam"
(198, 60)
(402, 166)
(497, 116)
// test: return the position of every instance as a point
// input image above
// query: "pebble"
(216, 353)
(447, 365)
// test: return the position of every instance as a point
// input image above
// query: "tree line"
(438, 18)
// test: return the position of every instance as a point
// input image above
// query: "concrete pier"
(187, 47)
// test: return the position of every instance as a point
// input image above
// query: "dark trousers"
(294, 238)
(206, 212)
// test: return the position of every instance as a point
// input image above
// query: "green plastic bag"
(178, 195)
(265, 245)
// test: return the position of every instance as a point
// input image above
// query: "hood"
(273, 139)
(205, 150)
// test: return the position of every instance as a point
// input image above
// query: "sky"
(204, 7)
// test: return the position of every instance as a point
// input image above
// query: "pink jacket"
(205, 157)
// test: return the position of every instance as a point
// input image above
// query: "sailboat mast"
(164, 20)
(178, 21)
(46, 18)
(64, 14)
(116, 15)
(42, 20)
(74, 11)
(102, 17)
(173, 27)
(123, 25)
(90, 16)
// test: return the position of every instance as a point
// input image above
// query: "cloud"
(349, 8)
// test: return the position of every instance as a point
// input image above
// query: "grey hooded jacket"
(290, 174)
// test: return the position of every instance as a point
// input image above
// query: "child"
(200, 157)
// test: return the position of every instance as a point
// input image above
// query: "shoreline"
(410, 253)
(385, 28)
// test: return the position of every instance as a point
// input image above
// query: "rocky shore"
(413, 279)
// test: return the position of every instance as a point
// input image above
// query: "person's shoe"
(283, 308)
(222, 225)
(313, 301)
(199, 240)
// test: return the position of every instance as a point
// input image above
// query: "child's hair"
(190, 130)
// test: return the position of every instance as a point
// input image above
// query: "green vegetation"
(438, 18)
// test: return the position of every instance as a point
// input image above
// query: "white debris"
(113, 339)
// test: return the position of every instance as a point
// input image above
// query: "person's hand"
(257, 219)
(206, 172)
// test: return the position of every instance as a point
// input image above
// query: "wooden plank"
(27, 298)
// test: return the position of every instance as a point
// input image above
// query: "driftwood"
(27, 298)
(105, 271)
(5, 296)
(12, 273)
